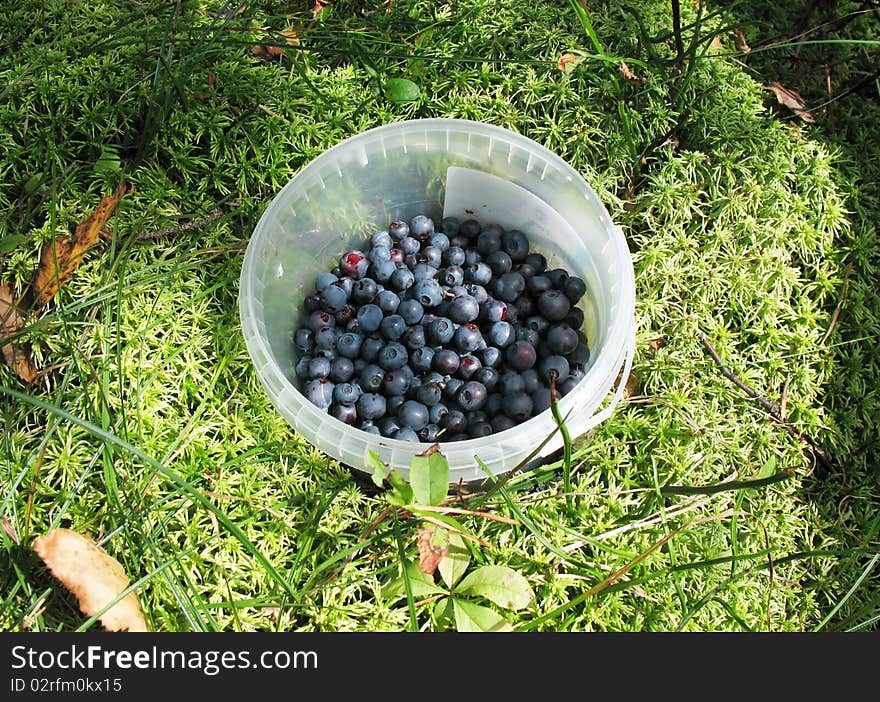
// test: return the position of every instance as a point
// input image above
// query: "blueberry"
(509, 286)
(406, 434)
(488, 377)
(431, 255)
(511, 382)
(393, 356)
(540, 401)
(537, 261)
(520, 355)
(383, 271)
(430, 433)
(446, 361)
(378, 254)
(302, 367)
(436, 412)
(493, 310)
(518, 406)
(322, 280)
(451, 275)
(413, 414)
(428, 292)
(370, 317)
(354, 264)
(388, 301)
(501, 334)
(364, 291)
(368, 426)
(470, 228)
(389, 426)
(562, 339)
(478, 292)
(500, 262)
(531, 380)
(319, 392)
(345, 315)
(349, 344)
(304, 339)
(325, 338)
(398, 229)
(515, 244)
(392, 327)
(429, 394)
(346, 393)
(469, 365)
(464, 309)
(574, 289)
(439, 240)
(454, 256)
(409, 245)
(575, 317)
(471, 396)
(454, 421)
(491, 357)
(396, 382)
(320, 319)
(424, 271)
(553, 305)
(489, 241)
(480, 430)
(421, 358)
(371, 378)
(501, 422)
(421, 226)
(371, 405)
(538, 284)
(382, 238)
(414, 337)
(450, 226)
(557, 276)
(479, 273)
(401, 279)
(468, 338)
(524, 333)
(553, 367)
(440, 331)
(451, 388)
(393, 403)
(344, 413)
(371, 347)
(341, 369)
(580, 356)
(411, 311)
(311, 303)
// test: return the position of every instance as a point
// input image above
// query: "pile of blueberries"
(441, 333)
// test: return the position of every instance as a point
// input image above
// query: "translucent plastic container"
(395, 172)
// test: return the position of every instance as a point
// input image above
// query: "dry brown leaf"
(93, 576)
(657, 344)
(567, 62)
(716, 43)
(633, 385)
(10, 532)
(267, 53)
(61, 257)
(627, 73)
(318, 8)
(11, 321)
(430, 554)
(792, 100)
(741, 43)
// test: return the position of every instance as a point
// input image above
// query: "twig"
(160, 233)
(840, 301)
(771, 407)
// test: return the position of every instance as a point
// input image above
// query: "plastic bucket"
(395, 172)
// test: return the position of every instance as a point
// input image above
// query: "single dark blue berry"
(509, 286)
(371, 378)
(302, 367)
(553, 305)
(364, 291)
(414, 337)
(349, 344)
(453, 256)
(398, 229)
(446, 361)
(421, 226)
(413, 414)
(428, 292)
(471, 396)
(354, 264)
(501, 334)
(392, 327)
(341, 369)
(515, 244)
(346, 393)
(382, 238)
(421, 358)
(304, 339)
(319, 392)
(451, 275)
(344, 413)
(371, 405)
(370, 317)
(440, 331)
(412, 311)
(553, 367)
(396, 382)
(322, 280)
(450, 226)
(562, 339)
(388, 301)
(393, 356)
(520, 355)
(464, 309)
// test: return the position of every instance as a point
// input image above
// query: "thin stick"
(160, 233)
(771, 407)
(840, 301)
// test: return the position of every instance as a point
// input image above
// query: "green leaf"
(379, 468)
(400, 90)
(403, 493)
(32, 183)
(8, 243)
(499, 584)
(768, 469)
(421, 584)
(453, 565)
(470, 616)
(444, 614)
(429, 477)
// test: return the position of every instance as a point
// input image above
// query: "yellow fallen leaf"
(93, 576)
(11, 320)
(61, 256)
